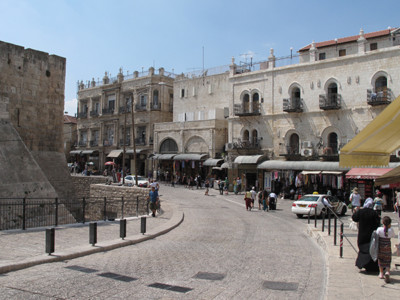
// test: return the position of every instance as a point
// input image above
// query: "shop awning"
(374, 144)
(165, 156)
(249, 159)
(115, 153)
(366, 173)
(393, 176)
(213, 162)
(189, 156)
(225, 165)
(331, 173)
(130, 151)
(73, 152)
(302, 165)
(87, 151)
(311, 172)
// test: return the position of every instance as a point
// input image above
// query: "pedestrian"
(253, 196)
(265, 200)
(247, 199)
(154, 183)
(207, 185)
(221, 187)
(226, 185)
(368, 221)
(153, 198)
(239, 185)
(235, 186)
(272, 200)
(355, 200)
(385, 233)
(378, 203)
(260, 198)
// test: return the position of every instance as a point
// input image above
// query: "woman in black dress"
(368, 220)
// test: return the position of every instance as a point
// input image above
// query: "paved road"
(220, 251)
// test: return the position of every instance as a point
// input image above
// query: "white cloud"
(70, 107)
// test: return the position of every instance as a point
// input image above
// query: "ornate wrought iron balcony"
(156, 106)
(293, 104)
(108, 111)
(330, 101)
(82, 115)
(379, 97)
(247, 109)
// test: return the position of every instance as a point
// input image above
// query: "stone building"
(32, 163)
(70, 136)
(281, 116)
(199, 128)
(308, 110)
(105, 131)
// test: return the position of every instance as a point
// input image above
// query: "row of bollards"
(329, 227)
(50, 233)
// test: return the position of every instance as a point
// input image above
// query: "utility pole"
(134, 142)
(124, 141)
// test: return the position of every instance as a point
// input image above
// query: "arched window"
(254, 136)
(295, 97)
(155, 98)
(246, 103)
(246, 135)
(169, 146)
(332, 94)
(332, 143)
(256, 103)
(381, 84)
(294, 144)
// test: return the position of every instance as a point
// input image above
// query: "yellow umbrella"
(374, 144)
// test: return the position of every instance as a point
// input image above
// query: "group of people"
(369, 220)
(266, 200)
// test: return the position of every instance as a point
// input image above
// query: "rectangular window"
(182, 93)
(373, 46)
(342, 52)
(321, 56)
(143, 100)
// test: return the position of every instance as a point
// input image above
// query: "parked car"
(306, 205)
(130, 181)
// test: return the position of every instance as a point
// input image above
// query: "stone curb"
(80, 251)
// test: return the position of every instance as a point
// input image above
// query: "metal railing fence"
(23, 213)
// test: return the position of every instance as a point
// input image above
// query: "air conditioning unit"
(307, 144)
(228, 146)
(398, 153)
(306, 152)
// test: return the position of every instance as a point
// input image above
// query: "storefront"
(189, 165)
(302, 177)
(245, 167)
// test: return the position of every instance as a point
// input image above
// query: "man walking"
(153, 198)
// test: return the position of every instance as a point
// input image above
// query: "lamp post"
(134, 142)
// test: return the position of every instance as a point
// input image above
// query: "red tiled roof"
(349, 39)
(69, 119)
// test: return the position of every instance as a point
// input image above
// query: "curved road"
(220, 251)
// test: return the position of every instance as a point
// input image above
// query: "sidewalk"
(345, 280)
(21, 249)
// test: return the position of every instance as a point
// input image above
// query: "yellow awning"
(374, 144)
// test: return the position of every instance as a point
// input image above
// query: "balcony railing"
(247, 109)
(330, 101)
(150, 141)
(122, 109)
(82, 143)
(379, 97)
(140, 141)
(293, 105)
(94, 113)
(140, 107)
(155, 106)
(94, 143)
(108, 111)
(127, 142)
(293, 150)
(246, 144)
(82, 115)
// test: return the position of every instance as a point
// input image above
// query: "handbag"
(353, 226)
(374, 246)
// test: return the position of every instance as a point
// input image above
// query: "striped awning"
(115, 153)
(250, 159)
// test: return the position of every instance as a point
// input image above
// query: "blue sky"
(99, 36)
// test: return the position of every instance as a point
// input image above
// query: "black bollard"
(315, 218)
(334, 230)
(341, 240)
(122, 228)
(143, 225)
(329, 222)
(323, 222)
(93, 233)
(50, 240)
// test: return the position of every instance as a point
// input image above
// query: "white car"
(307, 204)
(130, 180)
